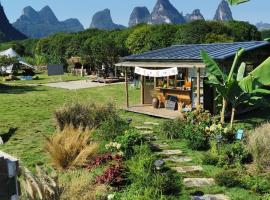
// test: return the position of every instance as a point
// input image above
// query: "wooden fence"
(9, 171)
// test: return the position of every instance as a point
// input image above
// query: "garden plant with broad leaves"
(234, 88)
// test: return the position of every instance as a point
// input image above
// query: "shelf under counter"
(173, 89)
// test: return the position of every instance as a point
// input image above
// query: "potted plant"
(155, 101)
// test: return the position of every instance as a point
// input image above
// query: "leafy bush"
(193, 132)
(70, 148)
(113, 175)
(210, 159)
(103, 159)
(196, 137)
(146, 182)
(129, 140)
(84, 115)
(235, 153)
(112, 127)
(198, 116)
(173, 129)
(258, 145)
(257, 183)
(228, 178)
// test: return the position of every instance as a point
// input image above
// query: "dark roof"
(191, 52)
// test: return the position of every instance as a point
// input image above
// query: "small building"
(177, 74)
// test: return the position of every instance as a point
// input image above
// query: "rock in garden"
(178, 159)
(186, 169)
(151, 123)
(147, 132)
(170, 152)
(198, 182)
(211, 197)
(143, 128)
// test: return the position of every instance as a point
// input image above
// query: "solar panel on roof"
(192, 51)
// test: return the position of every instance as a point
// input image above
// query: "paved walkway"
(181, 164)
(75, 85)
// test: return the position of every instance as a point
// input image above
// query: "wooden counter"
(181, 94)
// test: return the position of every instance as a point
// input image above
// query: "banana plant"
(234, 88)
(236, 2)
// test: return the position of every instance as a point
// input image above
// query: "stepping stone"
(143, 128)
(147, 132)
(170, 152)
(151, 138)
(151, 123)
(161, 146)
(178, 159)
(211, 197)
(186, 169)
(198, 182)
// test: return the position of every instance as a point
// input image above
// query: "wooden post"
(198, 87)
(168, 81)
(126, 83)
(142, 89)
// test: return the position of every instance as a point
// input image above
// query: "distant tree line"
(100, 47)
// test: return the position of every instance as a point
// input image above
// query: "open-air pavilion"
(177, 73)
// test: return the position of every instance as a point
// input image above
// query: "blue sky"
(254, 11)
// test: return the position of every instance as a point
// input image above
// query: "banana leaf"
(236, 2)
(258, 77)
(213, 72)
(241, 71)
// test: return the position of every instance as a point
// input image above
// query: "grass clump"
(258, 145)
(147, 183)
(83, 115)
(70, 148)
(79, 184)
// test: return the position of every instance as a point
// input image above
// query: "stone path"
(198, 182)
(211, 197)
(186, 169)
(179, 162)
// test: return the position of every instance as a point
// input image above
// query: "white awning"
(161, 64)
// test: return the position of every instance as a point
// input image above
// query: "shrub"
(198, 116)
(113, 175)
(258, 145)
(181, 129)
(173, 129)
(228, 178)
(235, 153)
(210, 159)
(84, 115)
(257, 183)
(70, 148)
(129, 140)
(112, 127)
(146, 182)
(196, 137)
(103, 159)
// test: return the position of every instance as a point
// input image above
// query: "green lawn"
(30, 109)
(44, 78)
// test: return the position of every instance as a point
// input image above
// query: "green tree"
(138, 40)
(243, 31)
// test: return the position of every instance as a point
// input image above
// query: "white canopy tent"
(12, 54)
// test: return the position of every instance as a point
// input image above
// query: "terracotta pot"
(155, 102)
